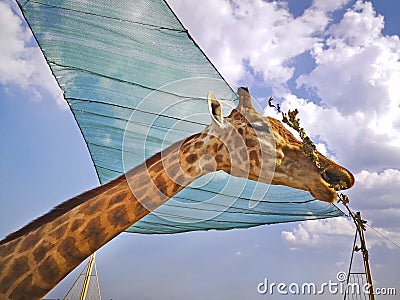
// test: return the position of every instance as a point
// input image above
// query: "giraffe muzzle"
(338, 177)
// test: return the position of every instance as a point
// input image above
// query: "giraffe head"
(247, 144)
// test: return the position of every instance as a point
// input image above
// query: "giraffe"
(35, 258)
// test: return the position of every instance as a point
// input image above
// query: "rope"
(384, 236)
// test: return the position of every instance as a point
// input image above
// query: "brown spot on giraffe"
(10, 248)
(97, 233)
(49, 269)
(192, 171)
(192, 158)
(77, 224)
(219, 158)
(69, 250)
(177, 187)
(59, 231)
(215, 148)
(198, 145)
(118, 198)
(202, 136)
(41, 249)
(251, 143)
(235, 115)
(93, 208)
(31, 240)
(118, 216)
(161, 183)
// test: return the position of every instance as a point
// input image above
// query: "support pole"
(360, 225)
(87, 277)
(361, 228)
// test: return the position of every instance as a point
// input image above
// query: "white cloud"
(341, 264)
(357, 71)
(329, 5)
(390, 177)
(336, 232)
(376, 195)
(317, 233)
(20, 63)
(255, 33)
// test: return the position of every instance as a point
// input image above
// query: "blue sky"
(336, 61)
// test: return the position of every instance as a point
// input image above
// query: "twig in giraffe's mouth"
(337, 177)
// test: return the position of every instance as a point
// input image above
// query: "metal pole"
(97, 280)
(361, 228)
(87, 277)
(360, 225)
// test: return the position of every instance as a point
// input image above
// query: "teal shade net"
(136, 83)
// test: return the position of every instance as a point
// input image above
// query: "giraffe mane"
(57, 211)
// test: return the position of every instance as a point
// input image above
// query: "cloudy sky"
(338, 62)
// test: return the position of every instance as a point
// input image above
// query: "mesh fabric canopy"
(136, 83)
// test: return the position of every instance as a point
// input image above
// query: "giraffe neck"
(34, 259)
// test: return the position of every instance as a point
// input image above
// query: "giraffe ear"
(214, 107)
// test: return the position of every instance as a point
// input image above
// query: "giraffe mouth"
(337, 177)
